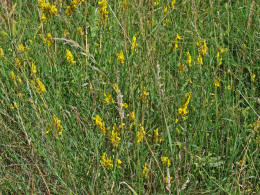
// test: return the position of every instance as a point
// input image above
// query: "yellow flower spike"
(155, 135)
(68, 11)
(114, 138)
(103, 11)
(119, 162)
(108, 98)
(70, 57)
(156, 2)
(106, 161)
(140, 134)
(125, 105)
(1, 53)
(166, 160)
(253, 77)
(115, 87)
(217, 83)
(165, 10)
(199, 59)
(145, 171)
(56, 124)
(21, 48)
(188, 58)
(121, 57)
(100, 124)
(132, 117)
(173, 4)
(183, 109)
(134, 44)
(33, 69)
(40, 86)
(53, 10)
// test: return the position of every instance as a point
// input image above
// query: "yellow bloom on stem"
(166, 160)
(140, 134)
(100, 123)
(53, 10)
(134, 44)
(217, 83)
(119, 162)
(173, 4)
(68, 11)
(145, 171)
(178, 37)
(115, 87)
(188, 58)
(121, 57)
(106, 161)
(183, 109)
(108, 98)
(70, 57)
(132, 117)
(103, 11)
(1, 53)
(40, 86)
(199, 59)
(156, 2)
(114, 138)
(56, 124)
(33, 69)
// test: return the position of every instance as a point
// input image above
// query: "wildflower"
(165, 10)
(156, 2)
(132, 117)
(80, 31)
(43, 18)
(188, 58)
(41, 86)
(103, 11)
(33, 69)
(68, 11)
(134, 44)
(20, 95)
(119, 162)
(173, 4)
(48, 39)
(121, 57)
(47, 131)
(56, 124)
(114, 138)
(12, 75)
(199, 59)
(219, 59)
(253, 77)
(69, 57)
(66, 33)
(203, 46)
(76, 3)
(155, 135)
(183, 109)
(21, 48)
(178, 37)
(166, 160)
(108, 98)
(140, 134)
(100, 123)
(115, 87)
(1, 53)
(125, 105)
(228, 87)
(145, 171)
(217, 83)
(181, 68)
(144, 95)
(14, 106)
(53, 10)
(106, 161)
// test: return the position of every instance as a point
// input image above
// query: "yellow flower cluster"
(178, 37)
(166, 160)
(47, 8)
(217, 83)
(134, 44)
(56, 124)
(121, 57)
(145, 171)
(100, 123)
(219, 55)
(70, 57)
(183, 109)
(188, 58)
(40, 86)
(108, 98)
(173, 4)
(106, 161)
(140, 134)
(114, 138)
(103, 11)
(1, 53)
(74, 4)
(48, 39)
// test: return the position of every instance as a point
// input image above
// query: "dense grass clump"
(120, 97)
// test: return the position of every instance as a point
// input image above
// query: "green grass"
(214, 151)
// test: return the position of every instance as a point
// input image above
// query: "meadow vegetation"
(129, 97)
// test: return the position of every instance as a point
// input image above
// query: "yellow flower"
(12, 75)
(145, 171)
(76, 3)
(253, 77)
(173, 3)
(43, 18)
(41, 86)
(183, 109)
(21, 48)
(1, 53)
(103, 11)
(53, 10)
(114, 138)
(121, 57)
(134, 44)
(48, 39)
(178, 37)
(56, 124)
(219, 59)
(119, 162)
(156, 2)
(69, 57)
(125, 105)
(165, 10)
(144, 95)
(33, 69)
(166, 160)
(188, 58)
(106, 161)
(100, 123)
(132, 117)
(228, 87)
(68, 11)
(14, 106)
(115, 87)
(203, 46)
(140, 134)
(108, 98)
(217, 83)
(199, 59)
(80, 31)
